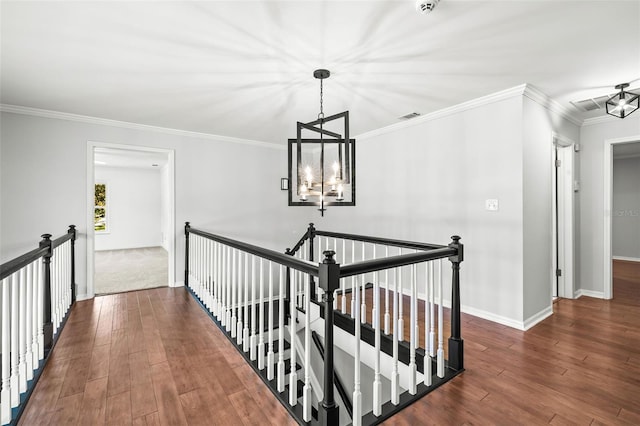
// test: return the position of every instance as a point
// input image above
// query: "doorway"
(564, 187)
(621, 209)
(130, 203)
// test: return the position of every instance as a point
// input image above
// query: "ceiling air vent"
(409, 116)
(590, 104)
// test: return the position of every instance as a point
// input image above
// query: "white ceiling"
(244, 69)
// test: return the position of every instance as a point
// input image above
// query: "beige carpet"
(117, 271)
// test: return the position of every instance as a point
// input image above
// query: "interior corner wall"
(220, 186)
(133, 208)
(591, 230)
(539, 123)
(429, 181)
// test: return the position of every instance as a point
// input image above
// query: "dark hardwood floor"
(154, 357)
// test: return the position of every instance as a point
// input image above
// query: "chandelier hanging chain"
(321, 115)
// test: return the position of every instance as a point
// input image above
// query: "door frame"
(91, 146)
(563, 232)
(608, 207)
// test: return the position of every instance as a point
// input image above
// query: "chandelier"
(322, 168)
(622, 103)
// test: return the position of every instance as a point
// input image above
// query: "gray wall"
(591, 200)
(225, 187)
(625, 218)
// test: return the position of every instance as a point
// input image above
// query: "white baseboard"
(80, 297)
(589, 293)
(490, 316)
(178, 284)
(628, 259)
(536, 318)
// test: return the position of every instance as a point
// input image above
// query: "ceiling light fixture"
(622, 103)
(324, 167)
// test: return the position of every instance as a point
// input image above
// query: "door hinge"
(558, 163)
(558, 272)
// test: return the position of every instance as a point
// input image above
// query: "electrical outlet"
(491, 205)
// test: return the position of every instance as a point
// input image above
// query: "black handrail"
(8, 268)
(381, 241)
(348, 405)
(283, 259)
(373, 265)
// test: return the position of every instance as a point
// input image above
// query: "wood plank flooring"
(150, 357)
(154, 357)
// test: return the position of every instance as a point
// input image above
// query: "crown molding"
(522, 90)
(552, 105)
(600, 120)
(36, 112)
(465, 106)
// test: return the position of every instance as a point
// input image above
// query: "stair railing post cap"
(328, 256)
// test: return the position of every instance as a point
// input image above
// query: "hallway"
(155, 357)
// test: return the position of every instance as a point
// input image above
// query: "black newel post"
(47, 325)
(329, 275)
(311, 235)
(456, 350)
(72, 231)
(186, 254)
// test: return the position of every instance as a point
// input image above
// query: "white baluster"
(29, 321)
(229, 279)
(395, 375)
(40, 309)
(280, 370)
(363, 308)
(440, 353)
(223, 284)
(377, 383)
(432, 311)
(413, 371)
(239, 300)
(270, 354)
(5, 332)
(335, 293)
(208, 278)
(343, 304)
(22, 318)
(15, 392)
(245, 332)
(306, 390)
(34, 323)
(401, 296)
(353, 279)
(357, 395)
(253, 341)
(387, 318)
(216, 265)
(261, 317)
(234, 285)
(427, 327)
(293, 375)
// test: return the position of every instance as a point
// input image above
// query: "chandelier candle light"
(324, 167)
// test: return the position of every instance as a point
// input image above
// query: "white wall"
(133, 208)
(591, 204)
(537, 165)
(625, 217)
(222, 186)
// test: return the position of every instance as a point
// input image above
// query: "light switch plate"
(491, 205)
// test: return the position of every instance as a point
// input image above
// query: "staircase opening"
(351, 336)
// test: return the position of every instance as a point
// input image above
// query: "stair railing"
(230, 278)
(37, 290)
